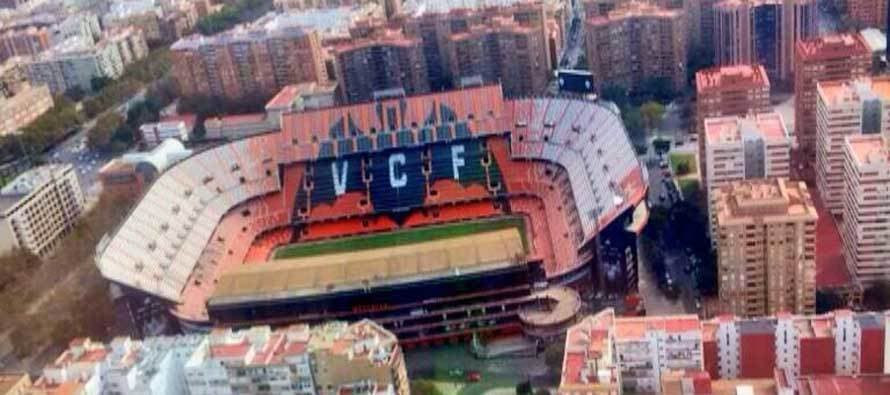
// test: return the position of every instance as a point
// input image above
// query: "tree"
(423, 387)
(102, 134)
(651, 112)
(99, 83)
(616, 94)
(827, 300)
(877, 296)
(682, 168)
(542, 391)
(524, 388)
(75, 93)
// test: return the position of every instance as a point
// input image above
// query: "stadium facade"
(203, 244)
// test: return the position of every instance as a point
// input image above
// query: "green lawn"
(687, 160)
(401, 237)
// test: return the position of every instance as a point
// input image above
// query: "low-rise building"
(24, 107)
(154, 133)
(130, 174)
(38, 207)
(765, 232)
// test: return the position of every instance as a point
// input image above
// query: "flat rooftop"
(868, 150)
(321, 274)
(634, 328)
(736, 77)
(420, 7)
(28, 181)
(832, 47)
(634, 10)
(839, 92)
(774, 198)
(769, 127)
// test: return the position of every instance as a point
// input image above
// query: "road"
(86, 163)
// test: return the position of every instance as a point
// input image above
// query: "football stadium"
(438, 216)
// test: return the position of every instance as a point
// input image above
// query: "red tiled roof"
(831, 271)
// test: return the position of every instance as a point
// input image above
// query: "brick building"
(386, 63)
(827, 58)
(253, 61)
(636, 42)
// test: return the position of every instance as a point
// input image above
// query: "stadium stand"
(565, 165)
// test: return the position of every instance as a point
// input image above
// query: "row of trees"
(231, 14)
(64, 118)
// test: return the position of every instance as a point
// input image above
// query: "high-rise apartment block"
(762, 31)
(726, 91)
(27, 41)
(330, 359)
(522, 40)
(501, 50)
(866, 206)
(28, 103)
(784, 348)
(248, 61)
(38, 207)
(387, 63)
(737, 148)
(634, 43)
(766, 246)
(871, 13)
(828, 58)
(843, 108)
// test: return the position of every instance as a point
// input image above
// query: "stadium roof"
(369, 268)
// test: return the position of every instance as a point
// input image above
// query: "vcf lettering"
(396, 161)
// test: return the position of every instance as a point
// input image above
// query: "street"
(87, 163)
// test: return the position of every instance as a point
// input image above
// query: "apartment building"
(24, 41)
(77, 61)
(844, 108)
(38, 207)
(782, 354)
(28, 103)
(438, 24)
(739, 148)
(866, 206)
(384, 64)
(763, 32)
(501, 50)
(636, 42)
(255, 60)
(145, 15)
(728, 91)
(605, 354)
(766, 246)
(871, 13)
(827, 58)
(82, 24)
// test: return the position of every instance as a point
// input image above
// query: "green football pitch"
(400, 237)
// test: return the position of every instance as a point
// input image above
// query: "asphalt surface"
(87, 163)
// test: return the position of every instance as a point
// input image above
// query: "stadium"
(438, 216)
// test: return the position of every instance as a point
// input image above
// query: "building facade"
(737, 148)
(28, 103)
(871, 13)
(844, 108)
(728, 91)
(766, 247)
(38, 208)
(388, 63)
(763, 32)
(828, 58)
(27, 41)
(866, 204)
(635, 43)
(248, 61)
